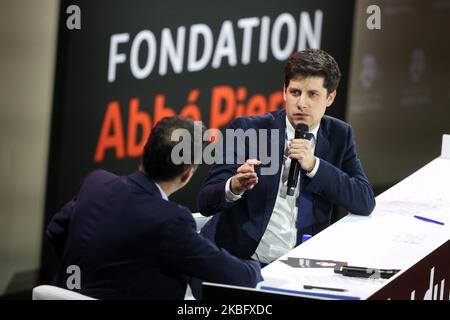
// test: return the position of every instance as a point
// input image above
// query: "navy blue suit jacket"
(340, 180)
(130, 243)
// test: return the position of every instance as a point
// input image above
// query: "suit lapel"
(323, 144)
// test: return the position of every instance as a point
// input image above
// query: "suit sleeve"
(347, 186)
(183, 249)
(211, 198)
(59, 226)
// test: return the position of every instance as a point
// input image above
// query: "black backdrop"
(86, 102)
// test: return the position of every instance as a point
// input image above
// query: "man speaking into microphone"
(265, 216)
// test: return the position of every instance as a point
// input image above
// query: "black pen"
(309, 287)
(362, 272)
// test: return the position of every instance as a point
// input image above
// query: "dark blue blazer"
(131, 244)
(340, 180)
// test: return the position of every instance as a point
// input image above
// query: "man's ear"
(330, 98)
(186, 175)
(284, 92)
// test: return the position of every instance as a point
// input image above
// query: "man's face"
(306, 100)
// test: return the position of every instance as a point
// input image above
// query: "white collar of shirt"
(163, 194)
(290, 131)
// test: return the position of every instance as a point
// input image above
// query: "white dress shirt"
(281, 232)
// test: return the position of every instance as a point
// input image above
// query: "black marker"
(361, 272)
(309, 287)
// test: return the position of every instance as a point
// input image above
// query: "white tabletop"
(391, 238)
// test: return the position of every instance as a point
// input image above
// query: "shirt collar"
(290, 131)
(163, 194)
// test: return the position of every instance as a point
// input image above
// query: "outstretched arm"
(347, 186)
(185, 250)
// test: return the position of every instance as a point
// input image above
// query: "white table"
(391, 238)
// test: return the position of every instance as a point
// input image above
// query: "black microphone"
(300, 133)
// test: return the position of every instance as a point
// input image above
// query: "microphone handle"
(294, 170)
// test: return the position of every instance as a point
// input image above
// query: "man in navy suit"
(130, 242)
(254, 217)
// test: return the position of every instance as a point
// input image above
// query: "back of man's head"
(315, 63)
(157, 159)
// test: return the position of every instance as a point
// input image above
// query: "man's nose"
(301, 102)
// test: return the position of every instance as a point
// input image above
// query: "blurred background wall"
(399, 91)
(27, 58)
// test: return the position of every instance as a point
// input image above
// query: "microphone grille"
(302, 127)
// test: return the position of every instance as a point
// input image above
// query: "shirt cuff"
(230, 196)
(314, 170)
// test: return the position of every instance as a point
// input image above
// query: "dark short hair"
(313, 62)
(156, 158)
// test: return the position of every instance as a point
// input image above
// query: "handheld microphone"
(300, 133)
